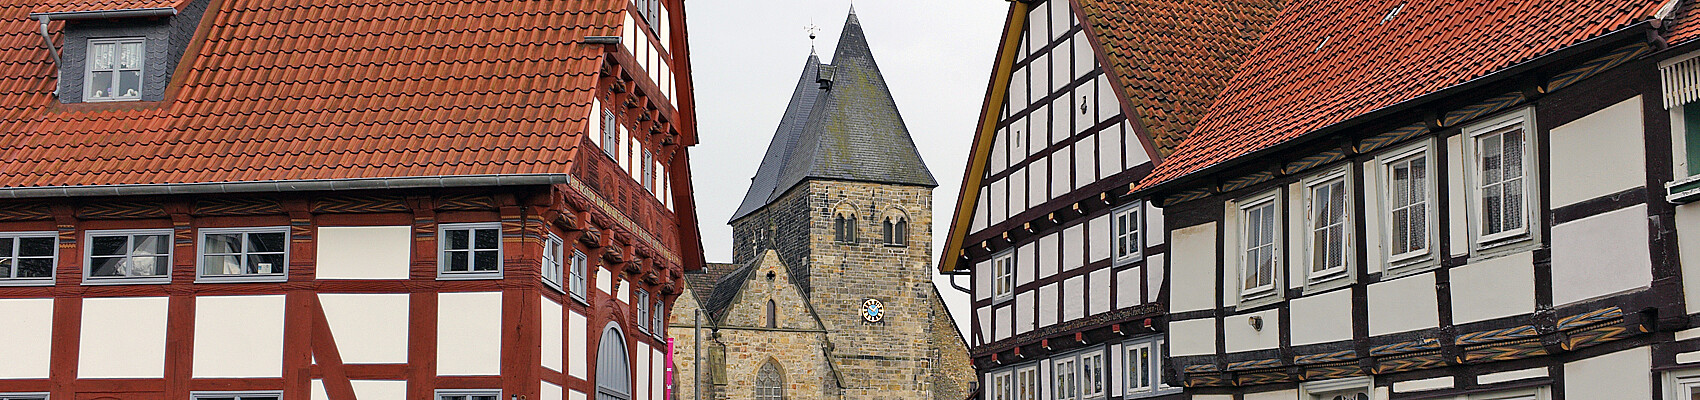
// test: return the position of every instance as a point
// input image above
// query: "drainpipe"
(696, 346)
(47, 40)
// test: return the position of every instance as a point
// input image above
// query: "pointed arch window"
(844, 227)
(769, 384)
(772, 314)
(896, 229)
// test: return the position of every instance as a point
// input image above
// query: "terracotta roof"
(1684, 26)
(81, 6)
(1327, 61)
(1173, 57)
(328, 89)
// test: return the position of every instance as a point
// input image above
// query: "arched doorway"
(613, 372)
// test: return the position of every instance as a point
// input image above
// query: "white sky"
(746, 55)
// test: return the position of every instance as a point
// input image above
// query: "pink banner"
(668, 374)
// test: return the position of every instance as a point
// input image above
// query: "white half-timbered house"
(1466, 200)
(1067, 279)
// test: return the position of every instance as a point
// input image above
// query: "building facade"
(1067, 269)
(234, 199)
(1373, 210)
(829, 295)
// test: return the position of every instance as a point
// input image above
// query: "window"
(1354, 388)
(769, 384)
(772, 314)
(114, 69)
(1144, 359)
(273, 395)
(552, 269)
(1407, 200)
(579, 279)
(1126, 233)
(244, 254)
(1001, 386)
(648, 171)
(470, 251)
(1067, 381)
(1003, 275)
(1500, 151)
(610, 134)
(1027, 383)
(642, 310)
(1328, 241)
(1259, 235)
(23, 396)
(844, 227)
(896, 229)
(657, 318)
(26, 258)
(1092, 375)
(490, 394)
(135, 256)
(649, 11)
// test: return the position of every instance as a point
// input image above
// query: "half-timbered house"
(341, 199)
(1067, 280)
(1412, 199)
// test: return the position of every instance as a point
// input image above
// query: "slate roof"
(1325, 62)
(1173, 57)
(726, 289)
(853, 130)
(278, 90)
(702, 281)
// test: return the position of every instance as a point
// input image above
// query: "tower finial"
(812, 30)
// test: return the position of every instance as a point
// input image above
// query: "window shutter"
(1681, 81)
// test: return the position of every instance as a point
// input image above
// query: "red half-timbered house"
(342, 199)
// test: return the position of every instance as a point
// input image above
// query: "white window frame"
(1473, 137)
(642, 305)
(1092, 370)
(1156, 347)
(1003, 385)
(1272, 201)
(1318, 390)
(1003, 276)
(1678, 385)
(26, 396)
(442, 251)
(1347, 237)
(1033, 390)
(201, 255)
(553, 268)
(578, 276)
(466, 392)
(53, 271)
(1385, 165)
(657, 319)
(1535, 393)
(130, 234)
(88, 68)
(239, 395)
(1065, 365)
(1126, 223)
(610, 134)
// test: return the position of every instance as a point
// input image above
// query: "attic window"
(114, 70)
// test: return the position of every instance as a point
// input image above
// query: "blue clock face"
(873, 310)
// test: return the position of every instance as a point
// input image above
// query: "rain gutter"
(286, 186)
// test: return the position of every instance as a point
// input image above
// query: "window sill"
(1129, 260)
(1259, 299)
(26, 282)
(579, 297)
(553, 285)
(152, 280)
(1408, 267)
(243, 279)
(1151, 393)
(468, 276)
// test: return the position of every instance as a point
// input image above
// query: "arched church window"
(844, 227)
(769, 385)
(896, 228)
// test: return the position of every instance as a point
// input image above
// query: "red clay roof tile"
(1325, 62)
(328, 89)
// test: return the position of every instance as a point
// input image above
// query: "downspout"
(47, 40)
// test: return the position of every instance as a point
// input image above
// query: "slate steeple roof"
(842, 124)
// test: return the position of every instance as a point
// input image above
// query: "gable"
(768, 279)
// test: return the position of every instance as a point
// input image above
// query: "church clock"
(873, 311)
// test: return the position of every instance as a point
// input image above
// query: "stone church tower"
(830, 292)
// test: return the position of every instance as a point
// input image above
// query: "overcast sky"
(746, 55)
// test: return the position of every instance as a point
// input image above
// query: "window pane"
(148, 245)
(485, 260)
(221, 265)
(147, 266)
(270, 242)
(34, 268)
(456, 239)
(457, 260)
(229, 243)
(6, 268)
(107, 266)
(130, 55)
(1513, 204)
(129, 84)
(1492, 213)
(1419, 227)
(487, 238)
(100, 85)
(108, 245)
(33, 247)
(100, 56)
(265, 263)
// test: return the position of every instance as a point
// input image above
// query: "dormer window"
(114, 69)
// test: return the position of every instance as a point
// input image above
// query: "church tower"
(844, 200)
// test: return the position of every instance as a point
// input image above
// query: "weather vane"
(812, 30)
